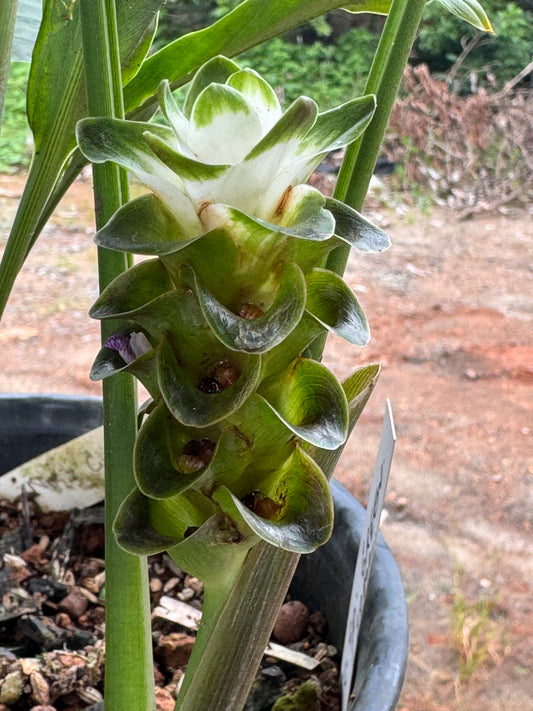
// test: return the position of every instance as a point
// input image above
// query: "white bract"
(231, 145)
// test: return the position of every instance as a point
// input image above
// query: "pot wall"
(29, 425)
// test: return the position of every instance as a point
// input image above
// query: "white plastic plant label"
(365, 554)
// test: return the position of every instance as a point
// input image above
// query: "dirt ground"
(450, 307)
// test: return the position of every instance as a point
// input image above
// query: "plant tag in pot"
(365, 553)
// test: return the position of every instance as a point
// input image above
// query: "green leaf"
(131, 290)
(291, 507)
(358, 387)
(380, 7)
(147, 526)
(356, 230)
(310, 402)
(143, 226)
(332, 303)
(162, 468)
(469, 10)
(231, 35)
(263, 332)
(339, 126)
(182, 389)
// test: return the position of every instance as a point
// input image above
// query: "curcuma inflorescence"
(216, 324)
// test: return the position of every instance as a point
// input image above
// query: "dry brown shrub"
(473, 153)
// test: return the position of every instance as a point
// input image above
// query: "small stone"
(318, 622)
(471, 374)
(33, 555)
(40, 689)
(164, 700)
(186, 594)
(63, 620)
(194, 584)
(75, 603)
(12, 687)
(170, 584)
(174, 650)
(292, 622)
(156, 585)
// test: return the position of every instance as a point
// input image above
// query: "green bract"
(217, 324)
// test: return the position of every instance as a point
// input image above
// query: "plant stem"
(8, 11)
(129, 666)
(238, 639)
(384, 80)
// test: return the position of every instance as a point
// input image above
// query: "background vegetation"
(462, 98)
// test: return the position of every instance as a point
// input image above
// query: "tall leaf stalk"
(128, 668)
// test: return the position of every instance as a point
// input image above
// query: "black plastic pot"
(30, 425)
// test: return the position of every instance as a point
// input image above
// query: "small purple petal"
(129, 346)
(121, 342)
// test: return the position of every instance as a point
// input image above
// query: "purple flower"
(129, 346)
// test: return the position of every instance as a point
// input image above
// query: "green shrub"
(329, 73)
(15, 130)
(494, 59)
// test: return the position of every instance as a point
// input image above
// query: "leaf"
(355, 229)
(28, 19)
(56, 100)
(471, 11)
(146, 526)
(380, 7)
(143, 226)
(358, 387)
(56, 86)
(132, 289)
(182, 390)
(261, 333)
(231, 35)
(291, 507)
(310, 402)
(338, 126)
(332, 303)
(162, 469)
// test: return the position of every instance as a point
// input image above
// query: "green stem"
(384, 81)
(238, 639)
(129, 666)
(8, 11)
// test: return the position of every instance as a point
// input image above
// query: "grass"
(477, 635)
